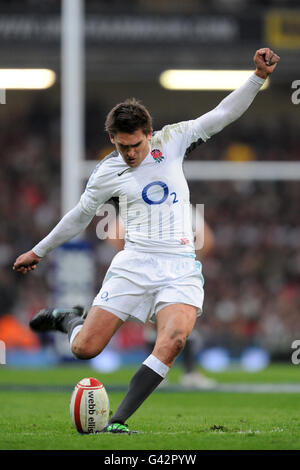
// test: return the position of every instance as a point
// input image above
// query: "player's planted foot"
(55, 319)
(117, 428)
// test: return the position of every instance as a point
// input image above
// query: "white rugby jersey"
(154, 196)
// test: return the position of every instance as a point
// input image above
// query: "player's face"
(133, 147)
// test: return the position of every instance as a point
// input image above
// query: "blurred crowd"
(214, 5)
(252, 275)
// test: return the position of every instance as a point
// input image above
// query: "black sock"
(142, 384)
(70, 322)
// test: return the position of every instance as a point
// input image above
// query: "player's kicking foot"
(55, 318)
(117, 428)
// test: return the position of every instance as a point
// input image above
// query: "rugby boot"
(117, 428)
(55, 319)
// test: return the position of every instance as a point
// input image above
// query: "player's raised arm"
(237, 102)
(187, 134)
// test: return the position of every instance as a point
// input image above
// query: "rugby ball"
(89, 406)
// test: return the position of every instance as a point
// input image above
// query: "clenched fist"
(265, 60)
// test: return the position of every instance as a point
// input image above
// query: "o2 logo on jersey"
(165, 189)
(104, 296)
(157, 155)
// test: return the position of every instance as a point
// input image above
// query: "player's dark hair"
(128, 117)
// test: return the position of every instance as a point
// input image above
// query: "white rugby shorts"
(138, 284)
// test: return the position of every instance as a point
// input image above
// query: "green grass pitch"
(35, 413)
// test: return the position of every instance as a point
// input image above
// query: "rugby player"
(156, 276)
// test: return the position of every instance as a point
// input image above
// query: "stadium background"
(252, 276)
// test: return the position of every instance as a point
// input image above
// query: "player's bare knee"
(168, 348)
(80, 353)
(83, 350)
(177, 344)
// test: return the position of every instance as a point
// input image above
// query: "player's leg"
(88, 335)
(191, 376)
(93, 335)
(174, 324)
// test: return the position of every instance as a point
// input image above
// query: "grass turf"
(167, 421)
